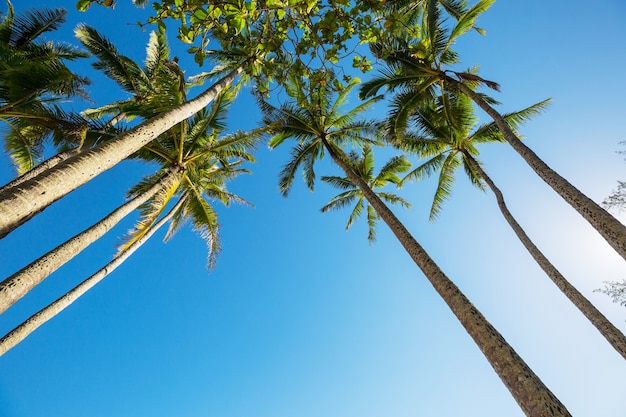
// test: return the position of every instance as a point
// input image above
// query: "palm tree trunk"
(47, 164)
(46, 188)
(611, 229)
(528, 390)
(615, 337)
(38, 169)
(19, 284)
(22, 331)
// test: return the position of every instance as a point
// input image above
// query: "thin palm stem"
(20, 283)
(22, 331)
(528, 390)
(611, 229)
(611, 333)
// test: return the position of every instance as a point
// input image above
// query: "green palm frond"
(427, 169)
(300, 155)
(389, 172)
(471, 171)
(341, 183)
(23, 147)
(29, 26)
(121, 69)
(205, 222)
(157, 53)
(394, 199)
(372, 218)
(445, 183)
(466, 21)
(341, 200)
(356, 212)
(151, 210)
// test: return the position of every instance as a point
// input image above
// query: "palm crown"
(418, 66)
(34, 77)
(447, 145)
(315, 121)
(363, 166)
(205, 161)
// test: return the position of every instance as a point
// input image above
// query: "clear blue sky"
(301, 318)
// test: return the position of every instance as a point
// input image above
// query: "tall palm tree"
(202, 162)
(156, 89)
(314, 120)
(449, 146)
(363, 166)
(417, 68)
(153, 91)
(31, 196)
(33, 78)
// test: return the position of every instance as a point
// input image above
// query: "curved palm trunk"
(611, 229)
(46, 188)
(22, 331)
(531, 394)
(615, 337)
(20, 283)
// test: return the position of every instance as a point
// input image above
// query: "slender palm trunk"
(615, 337)
(611, 229)
(528, 390)
(46, 188)
(47, 164)
(19, 284)
(22, 331)
(44, 166)
(38, 169)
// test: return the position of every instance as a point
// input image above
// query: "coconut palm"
(419, 70)
(363, 166)
(449, 146)
(157, 89)
(206, 162)
(18, 203)
(154, 91)
(314, 121)
(34, 77)
(198, 163)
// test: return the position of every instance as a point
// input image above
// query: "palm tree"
(154, 91)
(449, 146)
(33, 78)
(418, 67)
(157, 89)
(203, 162)
(314, 121)
(364, 167)
(31, 196)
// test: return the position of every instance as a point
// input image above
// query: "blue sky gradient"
(301, 318)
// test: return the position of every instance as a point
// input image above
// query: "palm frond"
(341, 183)
(119, 68)
(445, 183)
(33, 23)
(426, 169)
(472, 173)
(340, 201)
